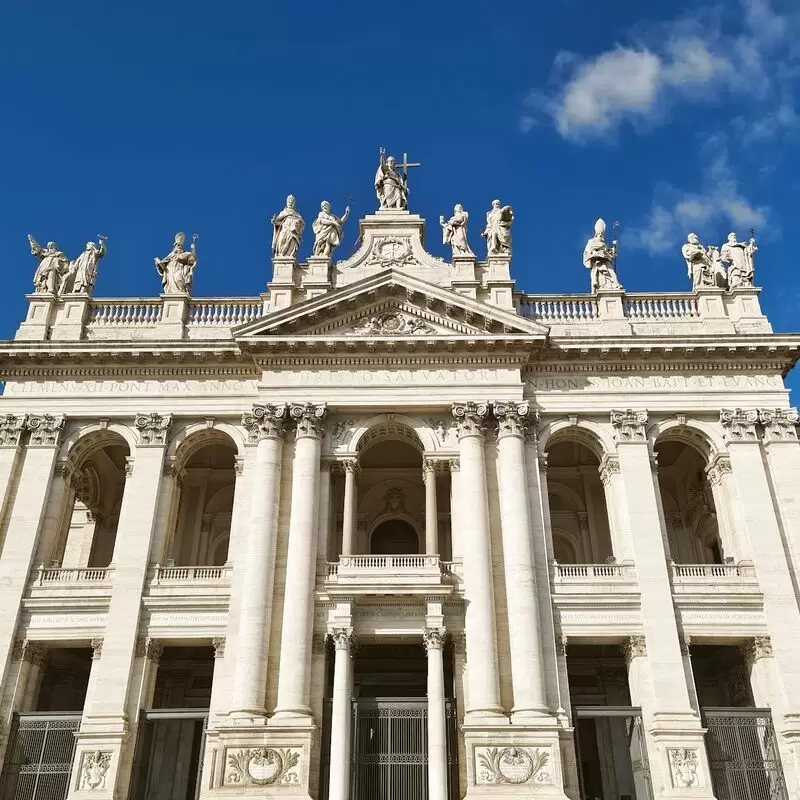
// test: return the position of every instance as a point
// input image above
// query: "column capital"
(265, 421)
(342, 638)
(97, 649)
(349, 465)
(218, 643)
(514, 419)
(309, 419)
(45, 429)
(609, 466)
(433, 638)
(454, 464)
(629, 425)
(757, 648)
(739, 424)
(153, 428)
(12, 427)
(470, 418)
(780, 424)
(634, 647)
(148, 648)
(718, 466)
(33, 652)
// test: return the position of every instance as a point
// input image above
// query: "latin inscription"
(613, 383)
(111, 387)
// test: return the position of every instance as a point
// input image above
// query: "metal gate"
(743, 754)
(39, 758)
(390, 749)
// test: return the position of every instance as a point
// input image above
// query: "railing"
(388, 562)
(585, 571)
(189, 574)
(223, 312)
(705, 571)
(131, 313)
(559, 309)
(49, 575)
(661, 307)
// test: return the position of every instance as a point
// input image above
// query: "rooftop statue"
(454, 231)
(53, 266)
(497, 232)
(703, 264)
(739, 258)
(177, 267)
(82, 274)
(327, 229)
(390, 186)
(599, 258)
(287, 230)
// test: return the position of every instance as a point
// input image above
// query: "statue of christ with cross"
(390, 186)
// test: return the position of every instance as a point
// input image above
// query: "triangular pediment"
(391, 304)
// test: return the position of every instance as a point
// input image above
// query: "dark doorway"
(395, 537)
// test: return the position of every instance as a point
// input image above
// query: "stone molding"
(45, 429)
(470, 418)
(739, 424)
(153, 428)
(265, 421)
(629, 425)
(309, 419)
(433, 638)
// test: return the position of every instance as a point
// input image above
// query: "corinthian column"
(433, 639)
(479, 620)
(350, 506)
(254, 574)
(527, 667)
(295, 666)
(429, 468)
(339, 781)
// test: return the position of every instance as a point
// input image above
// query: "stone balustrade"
(173, 574)
(50, 576)
(364, 571)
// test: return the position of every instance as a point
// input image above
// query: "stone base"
(101, 764)
(677, 745)
(506, 761)
(255, 761)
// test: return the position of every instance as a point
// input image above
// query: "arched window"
(394, 537)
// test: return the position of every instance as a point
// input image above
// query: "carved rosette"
(629, 425)
(718, 466)
(470, 418)
(513, 766)
(265, 421)
(684, 766)
(309, 419)
(153, 429)
(634, 647)
(342, 638)
(757, 648)
(433, 638)
(739, 424)
(45, 429)
(94, 769)
(609, 466)
(513, 419)
(11, 428)
(262, 766)
(780, 424)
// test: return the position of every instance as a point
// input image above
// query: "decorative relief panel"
(262, 766)
(391, 323)
(513, 765)
(93, 771)
(391, 251)
(684, 766)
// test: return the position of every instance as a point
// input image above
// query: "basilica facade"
(396, 528)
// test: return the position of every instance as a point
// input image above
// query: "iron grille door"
(390, 749)
(39, 757)
(743, 754)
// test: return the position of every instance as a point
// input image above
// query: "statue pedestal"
(173, 317)
(611, 311)
(71, 316)
(744, 310)
(316, 280)
(711, 306)
(498, 281)
(36, 327)
(463, 277)
(282, 286)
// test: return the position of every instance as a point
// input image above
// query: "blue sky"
(138, 120)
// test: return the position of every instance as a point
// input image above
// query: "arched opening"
(201, 533)
(87, 529)
(394, 537)
(576, 496)
(690, 513)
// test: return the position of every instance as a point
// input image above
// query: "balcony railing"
(190, 574)
(582, 572)
(48, 576)
(388, 570)
(706, 571)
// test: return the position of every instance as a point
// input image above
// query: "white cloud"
(716, 207)
(690, 60)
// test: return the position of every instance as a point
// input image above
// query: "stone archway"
(394, 536)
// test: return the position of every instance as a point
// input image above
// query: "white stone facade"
(593, 470)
